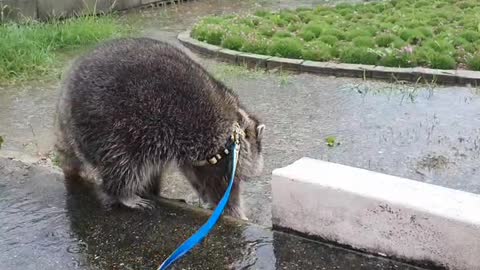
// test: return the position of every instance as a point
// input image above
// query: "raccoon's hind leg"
(211, 182)
(154, 175)
(132, 186)
(136, 202)
(68, 160)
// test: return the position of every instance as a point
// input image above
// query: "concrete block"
(318, 67)
(19, 9)
(391, 73)
(252, 60)
(437, 75)
(468, 77)
(196, 45)
(184, 36)
(378, 213)
(228, 55)
(203, 47)
(284, 63)
(352, 70)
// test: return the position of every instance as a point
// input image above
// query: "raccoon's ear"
(260, 130)
(244, 120)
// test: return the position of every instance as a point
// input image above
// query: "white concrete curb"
(378, 213)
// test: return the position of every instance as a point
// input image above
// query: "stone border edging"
(448, 77)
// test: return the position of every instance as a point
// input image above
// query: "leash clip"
(237, 133)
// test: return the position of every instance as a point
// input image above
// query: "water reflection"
(45, 224)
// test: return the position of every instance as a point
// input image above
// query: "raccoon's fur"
(133, 106)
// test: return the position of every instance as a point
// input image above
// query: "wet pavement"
(429, 134)
(26, 119)
(46, 224)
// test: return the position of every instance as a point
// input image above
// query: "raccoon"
(133, 106)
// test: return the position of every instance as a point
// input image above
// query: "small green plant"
(423, 56)
(215, 35)
(1, 141)
(471, 35)
(397, 58)
(363, 41)
(385, 40)
(356, 33)
(474, 62)
(331, 141)
(426, 31)
(286, 47)
(317, 51)
(266, 30)
(256, 44)
(284, 79)
(329, 39)
(358, 55)
(226, 71)
(282, 34)
(306, 15)
(440, 45)
(334, 32)
(250, 21)
(278, 21)
(293, 27)
(261, 13)
(55, 159)
(443, 61)
(307, 35)
(233, 41)
(413, 36)
(315, 28)
(289, 16)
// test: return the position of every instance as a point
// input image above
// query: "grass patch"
(227, 72)
(317, 51)
(474, 62)
(358, 55)
(401, 33)
(286, 47)
(33, 49)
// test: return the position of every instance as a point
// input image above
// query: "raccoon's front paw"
(137, 202)
(236, 212)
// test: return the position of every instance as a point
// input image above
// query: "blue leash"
(208, 226)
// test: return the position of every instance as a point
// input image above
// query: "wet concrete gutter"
(46, 224)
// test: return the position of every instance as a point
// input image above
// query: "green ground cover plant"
(442, 34)
(33, 48)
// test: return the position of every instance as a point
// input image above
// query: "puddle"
(429, 134)
(47, 225)
(434, 137)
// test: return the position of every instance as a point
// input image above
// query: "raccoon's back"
(144, 96)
